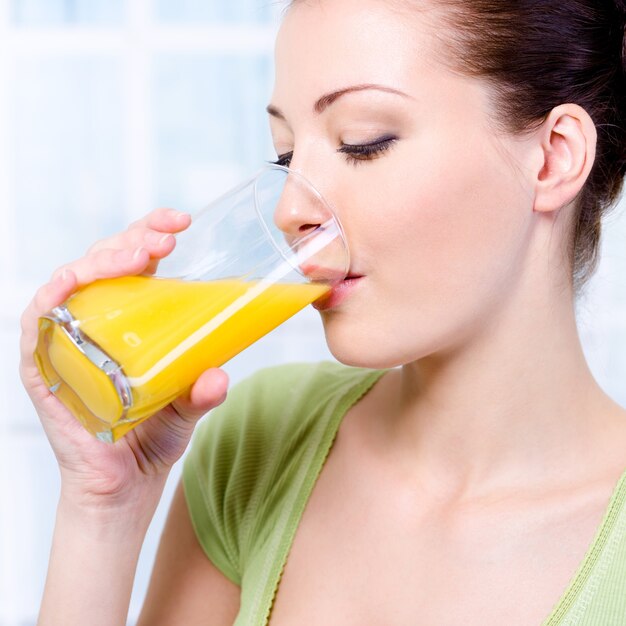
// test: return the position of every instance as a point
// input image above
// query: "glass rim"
(333, 215)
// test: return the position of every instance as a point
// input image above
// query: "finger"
(152, 267)
(164, 220)
(108, 263)
(157, 243)
(208, 391)
(167, 245)
(47, 297)
(51, 294)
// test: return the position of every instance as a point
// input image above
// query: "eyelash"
(355, 154)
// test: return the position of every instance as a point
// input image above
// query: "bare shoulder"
(184, 581)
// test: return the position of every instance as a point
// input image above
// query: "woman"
(462, 466)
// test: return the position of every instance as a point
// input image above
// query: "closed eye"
(367, 151)
(355, 153)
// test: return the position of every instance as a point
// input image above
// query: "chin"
(367, 360)
(361, 348)
(360, 341)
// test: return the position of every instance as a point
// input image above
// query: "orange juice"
(161, 334)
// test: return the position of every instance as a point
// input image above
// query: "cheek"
(440, 244)
(458, 220)
(441, 238)
(462, 230)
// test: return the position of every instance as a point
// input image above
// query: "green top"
(253, 464)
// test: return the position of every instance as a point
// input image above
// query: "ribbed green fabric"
(255, 459)
(596, 596)
(253, 464)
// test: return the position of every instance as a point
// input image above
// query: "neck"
(515, 406)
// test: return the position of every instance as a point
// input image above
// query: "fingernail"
(163, 239)
(182, 217)
(59, 278)
(64, 275)
(137, 253)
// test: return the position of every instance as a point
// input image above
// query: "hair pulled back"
(538, 54)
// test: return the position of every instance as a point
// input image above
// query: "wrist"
(110, 516)
(93, 560)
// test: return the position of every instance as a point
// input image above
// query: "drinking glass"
(120, 349)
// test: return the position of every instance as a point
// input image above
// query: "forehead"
(329, 44)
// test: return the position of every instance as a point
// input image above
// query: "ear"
(568, 147)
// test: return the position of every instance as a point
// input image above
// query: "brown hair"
(537, 54)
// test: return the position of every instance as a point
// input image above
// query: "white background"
(108, 109)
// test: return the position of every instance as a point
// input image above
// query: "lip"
(338, 293)
(321, 273)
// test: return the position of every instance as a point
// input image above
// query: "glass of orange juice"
(120, 349)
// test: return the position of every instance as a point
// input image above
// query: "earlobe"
(568, 144)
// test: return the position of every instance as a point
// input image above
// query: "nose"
(310, 228)
(300, 209)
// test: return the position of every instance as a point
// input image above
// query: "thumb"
(207, 392)
(161, 440)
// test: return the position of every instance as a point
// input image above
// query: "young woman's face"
(436, 214)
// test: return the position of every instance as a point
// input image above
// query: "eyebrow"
(325, 101)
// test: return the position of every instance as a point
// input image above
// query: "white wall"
(109, 108)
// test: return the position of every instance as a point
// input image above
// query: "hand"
(133, 469)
